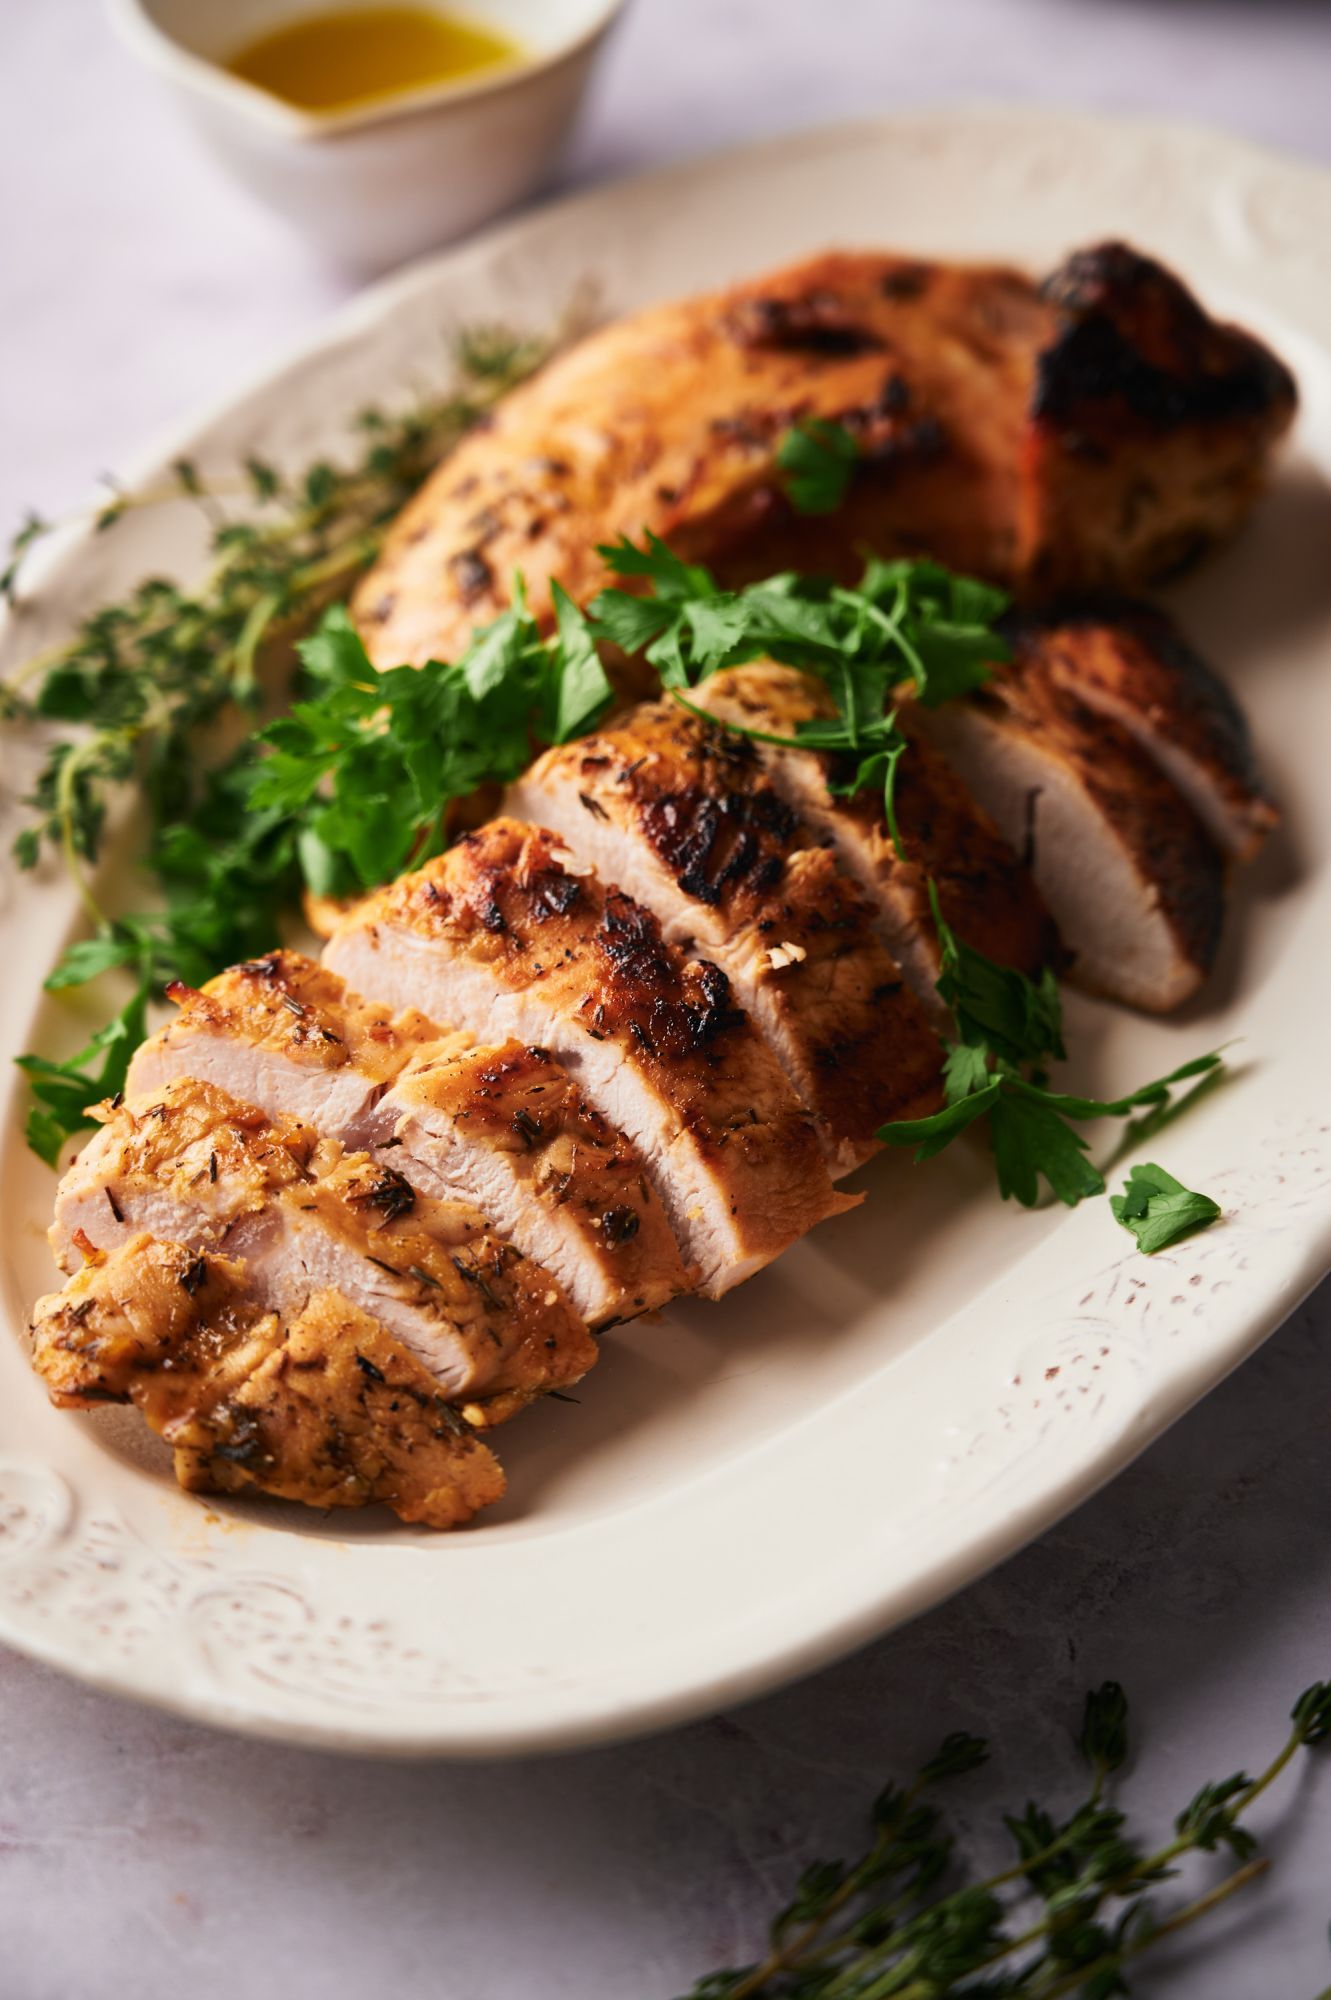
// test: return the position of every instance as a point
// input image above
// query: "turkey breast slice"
(502, 936)
(680, 814)
(504, 1128)
(192, 1165)
(1130, 662)
(1120, 858)
(325, 1408)
(985, 894)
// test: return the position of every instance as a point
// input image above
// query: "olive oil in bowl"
(337, 61)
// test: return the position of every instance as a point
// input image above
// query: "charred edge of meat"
(620, 1225)
(1131, 333)
(911, 281)
(818, 323)
(668, 1017)
(715, 845)
(1159, 634)
(553, 893)
(472, 574)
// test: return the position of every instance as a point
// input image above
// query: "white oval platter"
(747, 1490)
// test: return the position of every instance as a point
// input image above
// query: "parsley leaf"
(818, 459)
(1006, 1028)
(1159, 1210)
(65, 1090)
(906, 625)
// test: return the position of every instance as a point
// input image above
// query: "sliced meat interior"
(503, 936)
(508, 1128)
(986, 896)
(192, 1165)
(1124, 865)
(1090, 432)
(1130, 662)
(282, 1033)
(682, 815)
(324, 1407)
(502, 1128)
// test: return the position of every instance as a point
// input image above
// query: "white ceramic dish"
(386, 180)
(746, 1490)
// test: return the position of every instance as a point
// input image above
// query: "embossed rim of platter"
(1028, 1395)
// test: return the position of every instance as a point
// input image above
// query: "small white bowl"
(379, 182)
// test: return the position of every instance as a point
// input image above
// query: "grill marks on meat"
(504, 1128)
(1151, 424)
(322, 1407)
(196, 1167)
(653, 1038)
(985, 894)
(1092, 432)
(683, 817)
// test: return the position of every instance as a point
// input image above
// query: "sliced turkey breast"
(192, 1165)
(1130, 662)
(501, 936)
(682, 816)
(1125, 866)
(1090, 432)
(986, 896)
(283, 1033)
(504, 1128)
(325, 1408)
(508, 1128)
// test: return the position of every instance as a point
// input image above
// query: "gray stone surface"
(144, 1855)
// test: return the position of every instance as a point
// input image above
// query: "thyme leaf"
(1070, 1914)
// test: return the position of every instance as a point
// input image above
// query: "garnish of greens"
(359, 777)
(1071, 1914)
(817, 459)
(1158, 1209)
(1006, 1030)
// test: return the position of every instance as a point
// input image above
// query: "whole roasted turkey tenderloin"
(1092, 431)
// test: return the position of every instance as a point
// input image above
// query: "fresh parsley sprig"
(1006, 1030)
(1071, 1914)
(907, 625)
(904, 622)
(368, 765)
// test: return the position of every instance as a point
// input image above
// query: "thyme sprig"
(1070, 1914)
(142, 678)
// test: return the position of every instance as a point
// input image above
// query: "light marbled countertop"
(142, 1854)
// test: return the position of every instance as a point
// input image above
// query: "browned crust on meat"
(1151, 426)
(327, 1410)
(1093, 433)
(504, 897)
(289, 1004)
(984, 893)
(521, 1100)
(1129, 661)
(853, 1037)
